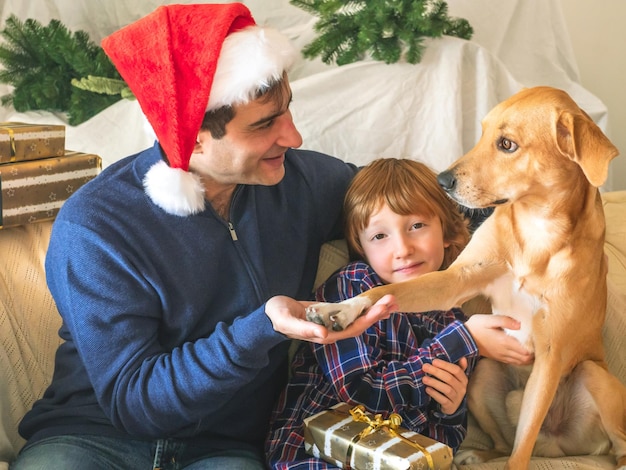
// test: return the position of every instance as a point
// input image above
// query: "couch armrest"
(615, 249)
(29, 323)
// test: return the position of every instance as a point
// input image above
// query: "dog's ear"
(581, 140)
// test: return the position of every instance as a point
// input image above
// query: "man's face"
(253, 149)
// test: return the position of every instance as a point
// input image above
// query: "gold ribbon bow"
(390, 425)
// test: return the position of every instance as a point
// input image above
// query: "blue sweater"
(163, 316)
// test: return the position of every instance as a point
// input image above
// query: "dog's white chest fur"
(508, 297)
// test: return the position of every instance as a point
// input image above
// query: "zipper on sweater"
(231, 229)
(247, 263)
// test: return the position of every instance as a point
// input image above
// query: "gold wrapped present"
(20, 141)
(349, 438)
(35, 190)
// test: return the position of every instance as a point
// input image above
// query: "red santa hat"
(181, 61)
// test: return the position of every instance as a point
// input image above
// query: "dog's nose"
(446, 180)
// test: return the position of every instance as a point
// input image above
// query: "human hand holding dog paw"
(288, 316)
(337, 316)
(446, 383)
(493, 342)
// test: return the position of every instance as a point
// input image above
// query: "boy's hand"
(493, 342)
(446, 383)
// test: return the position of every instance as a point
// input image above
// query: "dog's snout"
(446, 180)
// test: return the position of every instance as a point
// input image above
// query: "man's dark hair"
(215, 120)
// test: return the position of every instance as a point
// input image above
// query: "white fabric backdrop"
(429, 111)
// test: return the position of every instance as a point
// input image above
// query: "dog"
(540, 259)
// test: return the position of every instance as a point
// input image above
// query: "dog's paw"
(475, 456)
(339, 316)
(470, 457)
(467, 457)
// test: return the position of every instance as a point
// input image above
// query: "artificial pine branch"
(40, 63)
(387, 30)
(103, 85)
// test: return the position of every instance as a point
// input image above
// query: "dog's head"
(536, 142)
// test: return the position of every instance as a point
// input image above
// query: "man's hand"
(493, 342)
(289, 318)
(446, 383)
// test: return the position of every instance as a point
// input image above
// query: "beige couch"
(29, 322)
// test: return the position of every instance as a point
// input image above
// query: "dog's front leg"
(538, 396)
(414, 295)
(438, 290)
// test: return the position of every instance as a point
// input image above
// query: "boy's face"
(402, 247)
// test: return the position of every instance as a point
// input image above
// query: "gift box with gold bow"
(22, 141)
(349, 438)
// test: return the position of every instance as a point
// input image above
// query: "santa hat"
(181, 61)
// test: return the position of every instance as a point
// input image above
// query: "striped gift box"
(354, 440)
(34, 190)
(21, 141)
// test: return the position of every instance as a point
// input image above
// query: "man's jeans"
(105, 453)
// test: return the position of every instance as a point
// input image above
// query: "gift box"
(349, 438)
(35, 190)
(20, 141)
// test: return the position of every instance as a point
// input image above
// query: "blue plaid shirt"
(381, 370)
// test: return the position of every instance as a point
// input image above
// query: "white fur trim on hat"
(249, 59)
(176, 191)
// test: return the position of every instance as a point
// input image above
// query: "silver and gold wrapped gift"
(349, 438)
(35, 190)
(21, 141)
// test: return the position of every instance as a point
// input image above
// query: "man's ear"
(582, 141)
(201, 138)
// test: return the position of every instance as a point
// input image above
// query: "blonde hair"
(407, 187)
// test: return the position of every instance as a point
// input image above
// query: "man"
(175, 271)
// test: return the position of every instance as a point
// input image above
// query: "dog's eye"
(507, 145)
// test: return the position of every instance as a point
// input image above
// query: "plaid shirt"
(381, 369)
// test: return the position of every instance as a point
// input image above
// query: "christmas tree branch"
(40, 62)
(387, 30)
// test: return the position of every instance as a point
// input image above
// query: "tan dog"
(539, 258)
